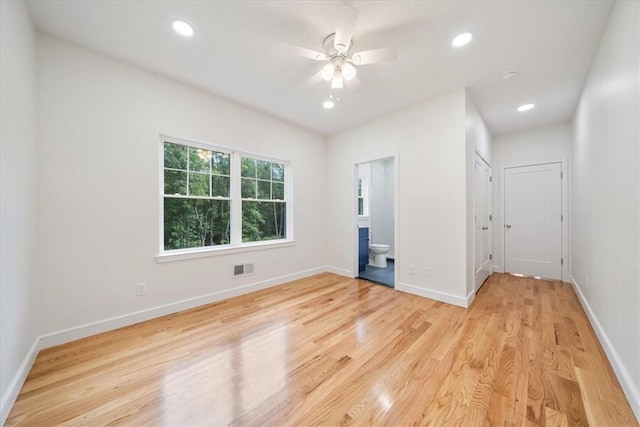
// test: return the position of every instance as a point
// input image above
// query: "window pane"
(264, 190)
(263, 221)
(198, 184)
(278, 191)
(190, 223)
(248, 188)
(220, 163)
(277, 172)
(199, 159)
(175, 156)
(264, 169)
(248, 167)
(220, 186)
(175, 182)
(360, 206)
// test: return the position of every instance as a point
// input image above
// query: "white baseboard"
(630, 390)
(436, 295)
(339, 271)
(470, 298)
(82, 331)
(18, 380)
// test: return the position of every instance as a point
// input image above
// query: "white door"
(533, 220)
(482, 223)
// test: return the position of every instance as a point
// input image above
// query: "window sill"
(179, 255)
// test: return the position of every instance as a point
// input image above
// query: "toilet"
(378, 255)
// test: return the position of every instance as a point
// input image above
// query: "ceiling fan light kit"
(337, 47)
(328, 71)
(348, 71)
(336, 82)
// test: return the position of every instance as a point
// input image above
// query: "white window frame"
(236, 244)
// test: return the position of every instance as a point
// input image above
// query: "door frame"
(564, 226)
(354, 214)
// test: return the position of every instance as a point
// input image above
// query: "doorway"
(375, 220)
(482, 221)
(533, 220)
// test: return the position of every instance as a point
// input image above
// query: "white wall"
(18, 311)
(429, 139)
(99, 122)
(476, 131)
(382, 203)
(533, 146)
(478, 140)
(606, 193)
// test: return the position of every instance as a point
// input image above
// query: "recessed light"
(509, 75)
(462, 39)
(183, 28)
(526, 107)
(328, 104)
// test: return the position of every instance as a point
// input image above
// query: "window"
(360, 198)
(263, 204)
(196, 197)
(363, 197)
(214, 197)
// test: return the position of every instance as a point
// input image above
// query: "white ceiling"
(238, 52)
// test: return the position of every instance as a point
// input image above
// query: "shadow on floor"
(381, 276)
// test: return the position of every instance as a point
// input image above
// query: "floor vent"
(242, 269)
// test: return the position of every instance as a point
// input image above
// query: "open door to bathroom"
(375, 208)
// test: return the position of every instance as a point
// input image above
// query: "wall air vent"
(243, 269)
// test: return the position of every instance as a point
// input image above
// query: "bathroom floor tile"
(382, 276)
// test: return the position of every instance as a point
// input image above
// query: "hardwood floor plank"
(535, 394)
(454, 396)
(328, 350)
(555, 418)
(562, 395)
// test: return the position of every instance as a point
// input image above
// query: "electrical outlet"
(427, 271)
(300, 258)
(412, 269)
(141, 289)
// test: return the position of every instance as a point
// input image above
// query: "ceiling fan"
(341, 61)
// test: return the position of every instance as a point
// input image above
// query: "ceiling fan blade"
(347, 18)
(374, 55)
(315, 79)
(353, 84)
(307, 53)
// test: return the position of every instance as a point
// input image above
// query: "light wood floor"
(329, 350)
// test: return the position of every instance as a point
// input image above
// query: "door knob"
(485, 228)
(508, 225)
